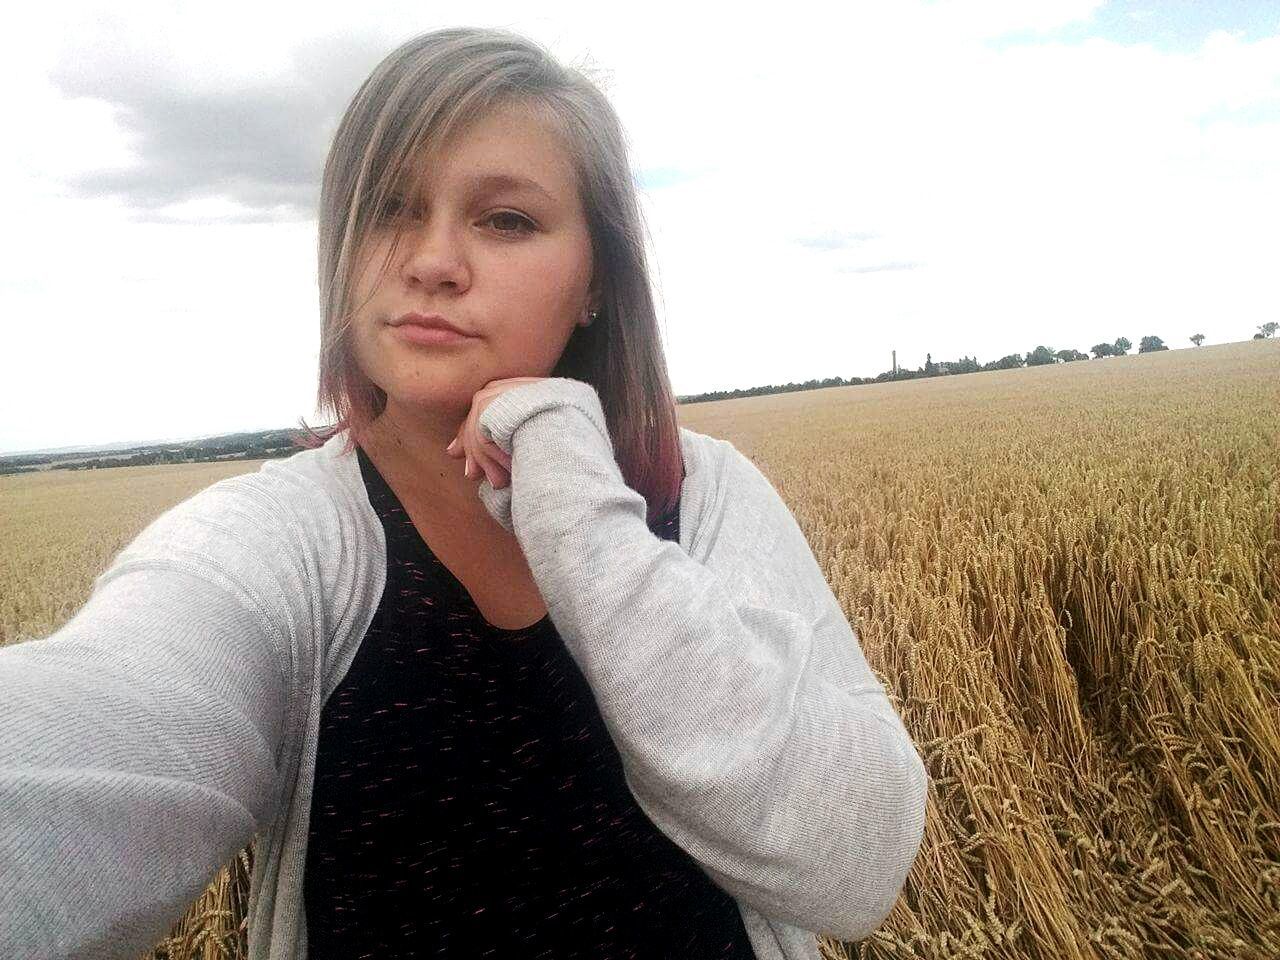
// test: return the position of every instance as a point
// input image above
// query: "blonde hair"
(423, 91)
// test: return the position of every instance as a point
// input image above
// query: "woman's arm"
(139, 743)
(751, 728)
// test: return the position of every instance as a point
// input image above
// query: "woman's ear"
(593, 302)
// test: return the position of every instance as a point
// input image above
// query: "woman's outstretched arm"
(140, 742)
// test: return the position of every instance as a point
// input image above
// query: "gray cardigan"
(175, 717)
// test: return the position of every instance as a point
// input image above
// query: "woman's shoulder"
(713, 490)
(715, 463)
(703, 453)
(742, 525)
(298, 490)
(285, 522)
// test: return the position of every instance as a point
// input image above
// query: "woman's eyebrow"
(500, 181)
(508, 181)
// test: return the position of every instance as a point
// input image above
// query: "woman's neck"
(410, 455)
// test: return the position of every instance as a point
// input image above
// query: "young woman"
(508, 661)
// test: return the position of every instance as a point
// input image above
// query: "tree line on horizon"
(1040, 356)
(270, 444)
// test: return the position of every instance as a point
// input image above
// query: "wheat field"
(1068, 578)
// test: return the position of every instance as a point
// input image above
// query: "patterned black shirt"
(469, 801)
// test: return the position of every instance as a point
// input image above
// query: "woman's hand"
(482, 455)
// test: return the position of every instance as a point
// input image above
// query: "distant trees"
(1041, 356)
(963, 365)
(1008, 362)
(1122, 345)
(1151, 345)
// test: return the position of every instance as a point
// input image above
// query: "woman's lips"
(431, 336)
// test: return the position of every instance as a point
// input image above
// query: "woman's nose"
(433, 254)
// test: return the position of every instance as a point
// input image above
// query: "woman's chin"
(442, 397)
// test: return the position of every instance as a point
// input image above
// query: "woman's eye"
(507, 221)
(522, 223)
(391, 207)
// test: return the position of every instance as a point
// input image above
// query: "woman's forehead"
(512, 149)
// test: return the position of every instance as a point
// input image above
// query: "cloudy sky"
(960, 178)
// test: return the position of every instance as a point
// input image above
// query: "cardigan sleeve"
(140, 742)
(751, 729)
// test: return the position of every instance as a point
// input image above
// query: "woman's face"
(509, 263)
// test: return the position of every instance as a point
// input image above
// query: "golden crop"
(1068, 579)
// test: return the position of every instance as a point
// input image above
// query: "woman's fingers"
(487, 459)
(497, 453)
(484, 465)
(501, 462)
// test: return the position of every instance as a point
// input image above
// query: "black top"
(469, 801)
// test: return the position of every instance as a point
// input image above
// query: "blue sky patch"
(655, 178)
(1179, 26)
